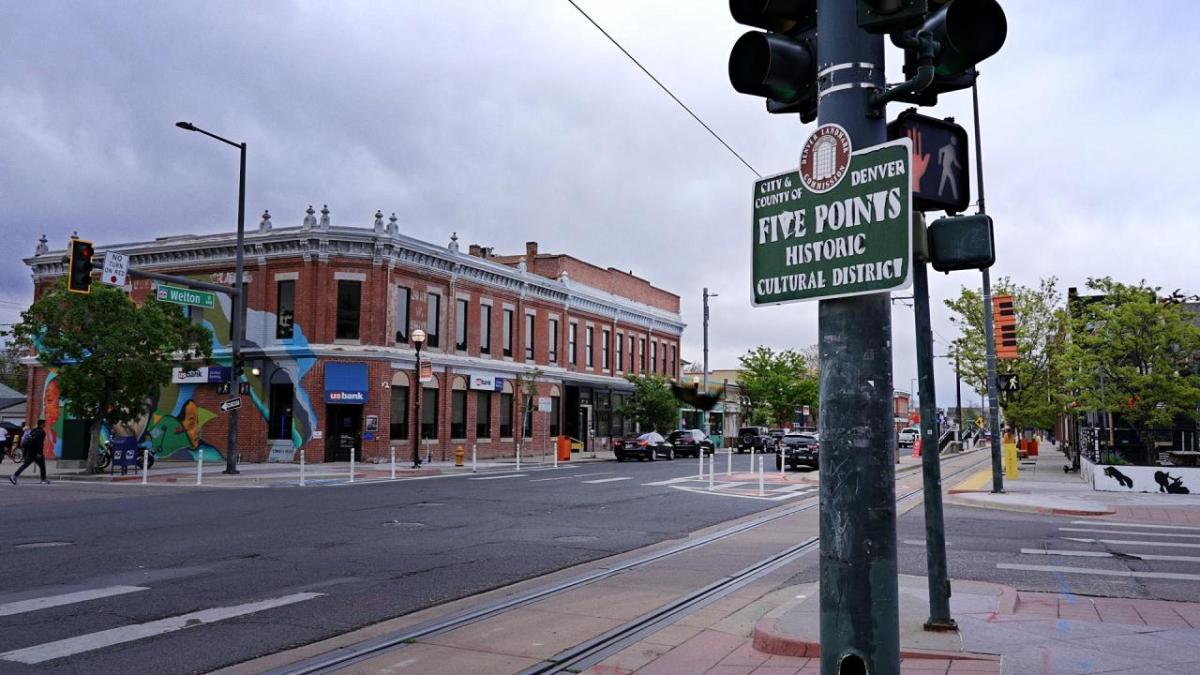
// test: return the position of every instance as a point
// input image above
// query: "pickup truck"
(757, 439)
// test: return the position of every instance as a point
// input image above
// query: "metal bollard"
(352, 453)
(729, 462)
(712, 462)
(145, 464)
(751, 459)
(393, 463)
(700, 454)
(518, 456)
(301, 466)
(474, 464)
(199, 463)
(761, 492)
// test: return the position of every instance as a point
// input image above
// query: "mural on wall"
(1162, 479)
(174, 427)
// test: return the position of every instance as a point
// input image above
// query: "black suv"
(798, 450)
(689, 442)
(758, 439)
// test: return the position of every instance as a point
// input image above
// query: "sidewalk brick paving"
(1128, 611)
(1156, 514)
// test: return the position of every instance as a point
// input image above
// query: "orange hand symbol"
(919, 162)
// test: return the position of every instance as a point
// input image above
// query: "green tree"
(777, 383)
(12, 373)
(1133, 354)
(652, 404)
(112, 355)
(1041, 370)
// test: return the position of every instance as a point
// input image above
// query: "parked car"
(754, 438)
(689, 443)
(643, 447)
(908, 436)
(777, 435)
(798, 449)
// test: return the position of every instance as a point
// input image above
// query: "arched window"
(398, 425)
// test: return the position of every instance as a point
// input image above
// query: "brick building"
(330, 362)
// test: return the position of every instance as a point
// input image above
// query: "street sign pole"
(859, 604)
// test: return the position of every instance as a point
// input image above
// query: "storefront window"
(483, 414)
(553, 417)
(429, 413)
(506, 415)
(458, 414)
(398, 429)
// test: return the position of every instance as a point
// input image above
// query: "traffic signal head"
(888, 16)
(779, 66)
(79, 266)
(961, 243)
(967, 32)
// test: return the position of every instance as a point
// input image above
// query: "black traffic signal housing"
(966, 32)
(780, 66)
(889, 16)
(79, 266)
(961, 243)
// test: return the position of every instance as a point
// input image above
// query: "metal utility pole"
(958, 395)
(707, 295)
(237, 323)
(988, 334)
(860, 625)
(931, 469)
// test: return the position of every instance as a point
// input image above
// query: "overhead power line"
(665, 89)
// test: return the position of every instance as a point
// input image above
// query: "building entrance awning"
(346, 383)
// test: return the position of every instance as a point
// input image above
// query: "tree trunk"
(94, 444)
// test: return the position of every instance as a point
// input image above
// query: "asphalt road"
(208, 577)
(1039, 553)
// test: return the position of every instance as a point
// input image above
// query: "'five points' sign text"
(841, 225)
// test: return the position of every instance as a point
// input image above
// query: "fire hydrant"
(459, 455)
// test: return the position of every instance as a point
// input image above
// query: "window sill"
(483, 440)
(346, 341)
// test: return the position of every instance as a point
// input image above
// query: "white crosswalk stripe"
(507, 475)
(1156, 537)
(1107, 554)
(1128, 542)
(606, 480)
(1156, 526)
(34, 604)
(1127, 533)
(1066, 569)
(122, 634)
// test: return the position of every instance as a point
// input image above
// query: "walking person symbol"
(948, 159)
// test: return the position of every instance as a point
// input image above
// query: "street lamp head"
(187, 126)
(418, 337)
(255, 371)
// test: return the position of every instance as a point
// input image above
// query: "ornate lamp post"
(418, 340)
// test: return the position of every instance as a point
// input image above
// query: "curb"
(768, 639)
(1030, 508)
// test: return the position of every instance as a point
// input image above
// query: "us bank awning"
(346, 383)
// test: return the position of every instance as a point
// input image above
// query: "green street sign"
(186, 296)
(840, 226)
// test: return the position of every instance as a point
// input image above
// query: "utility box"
(75, 438)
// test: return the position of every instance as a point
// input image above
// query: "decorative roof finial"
(521, 266)
(324, 217)
(453, 242)
(564, 277)
(265, 225)
(310, 219)
(42, 246)
(393, 228)
(378, 222)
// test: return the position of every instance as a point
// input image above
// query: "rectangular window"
(458, 414)
(529, 319)
(485, 329)
(506, 415)
(553, 417)
(433, 319)
(285, 311)
(402, 298)
(483, 414)
(642, 355)
(349, 301)
(671, 372)
(460, 327)
(653, 355)
(280, 422)
(664, 358)
(553, 356)
(631, 362)
(587, 346)
(527, 418)
(572, 337)
(429, 413)
(398, 429)
(604, 336)
(507, 331)
(620, 352)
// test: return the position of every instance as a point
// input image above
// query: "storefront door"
(343, 432)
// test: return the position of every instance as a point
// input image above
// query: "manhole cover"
(400, 523)
(44, 544)
(579, 539)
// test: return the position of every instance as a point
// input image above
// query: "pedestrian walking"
(3, 443)
(32, 446)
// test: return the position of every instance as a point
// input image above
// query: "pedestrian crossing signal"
(1004, 321)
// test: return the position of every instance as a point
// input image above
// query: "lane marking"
(22, 606)
(594, 473)
(542, 480)
(1128, 533)
(1172, 544)
(793, 488)
(672, 481)
(122, 634)
(1066, 569)
(607, 480)
(510, 475)
(1108, 523)
(1106, 554)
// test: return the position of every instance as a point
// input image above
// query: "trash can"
(564, 448)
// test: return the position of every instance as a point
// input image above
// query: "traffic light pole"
(859, 605)
(706, 412)
(988, 334)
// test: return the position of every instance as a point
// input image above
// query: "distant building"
(12, 405)
(331, 311)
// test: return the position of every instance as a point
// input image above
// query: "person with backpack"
(32, 446)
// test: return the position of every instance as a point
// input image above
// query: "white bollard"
(474, 462)
(199, 463)
(729, 462)
(352, 452)
(145, 464)
(751, 459)
(518, 456)
(302, 466)
(761, 493)
(393, 463)
(700, 454)
(556, 456)
(712, 462)
(782, 462)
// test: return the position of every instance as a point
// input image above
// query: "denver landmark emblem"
(825, 158)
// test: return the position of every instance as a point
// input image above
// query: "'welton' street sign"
(840, 226)
(186, 296)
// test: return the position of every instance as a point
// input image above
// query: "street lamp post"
(418, 340)
(237, 323)
(707, 295)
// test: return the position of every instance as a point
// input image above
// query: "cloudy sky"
(508, 121)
